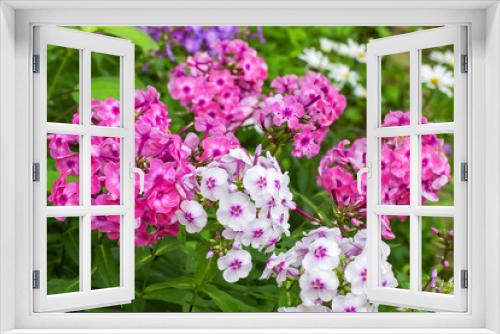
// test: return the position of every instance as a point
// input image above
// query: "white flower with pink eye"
(279, 267)
(257, 233)
(236, 264)
(236, 162)
(236, 211)
(255, 182)
(214, 183)
(277, 184)
(351, 303)
(192, 216)
(356, 274)
(387, 278)
(323, 254)
(230, 234)
(318, 286)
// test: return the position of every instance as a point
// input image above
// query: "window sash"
(413, 43)
(86, 43)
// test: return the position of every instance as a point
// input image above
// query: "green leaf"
(135, 35)
(108, 268)
(183, 282)
(169, 295)
(225, 301)
(62, 285)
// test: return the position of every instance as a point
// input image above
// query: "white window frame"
(413, 43)
(17, 19)
(86, 44)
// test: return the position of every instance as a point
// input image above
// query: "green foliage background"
(174, 275)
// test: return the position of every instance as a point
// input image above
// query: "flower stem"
(306, 215)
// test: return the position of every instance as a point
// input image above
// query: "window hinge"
(464, 280)
(36, 279)
(464, 171)
(464, 63)
(36, 172)
(36, 63)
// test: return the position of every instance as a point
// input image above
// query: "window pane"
(63, 255)
(395, 88)
(395, 171)
(63, 170)
(395, 262)
(105, 87)
(437, 169)
(437, 254)
(63, 84)
(105, 170)
(105, 252)
(436, 76)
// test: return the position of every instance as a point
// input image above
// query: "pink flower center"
(258, 233)
(279, 268)
(261, 182)
(235, 264)
(236, 210)
(363, 274)
(277, 184)
(317, 284)
(320, 252)
(350, 309)
(210, 183)
(189, 217)
(287, 112)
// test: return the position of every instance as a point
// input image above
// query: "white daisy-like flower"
(236, 264)
(351, 303)
(342, 74)
(327, 45)
(318, 286)
(214, 183)
(437, 77)
(192, 216)
(359, 91)
(353, 50)
(236, 211)
(447, 57)
(314, 58)
(323, 254)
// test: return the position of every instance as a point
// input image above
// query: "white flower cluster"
(317, 258)
(340, 73)
(253, 206)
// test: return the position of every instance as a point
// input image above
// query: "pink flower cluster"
(306, 106)
(339, 166)
(162, 156)
(221, 91)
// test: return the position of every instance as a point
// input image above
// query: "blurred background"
(168, 273)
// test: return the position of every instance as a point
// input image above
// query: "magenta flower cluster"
(221, 91)
(162, 155)
(337, 170)
(305, 106)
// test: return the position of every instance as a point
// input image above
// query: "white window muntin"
(414, 43)
(86, 43)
